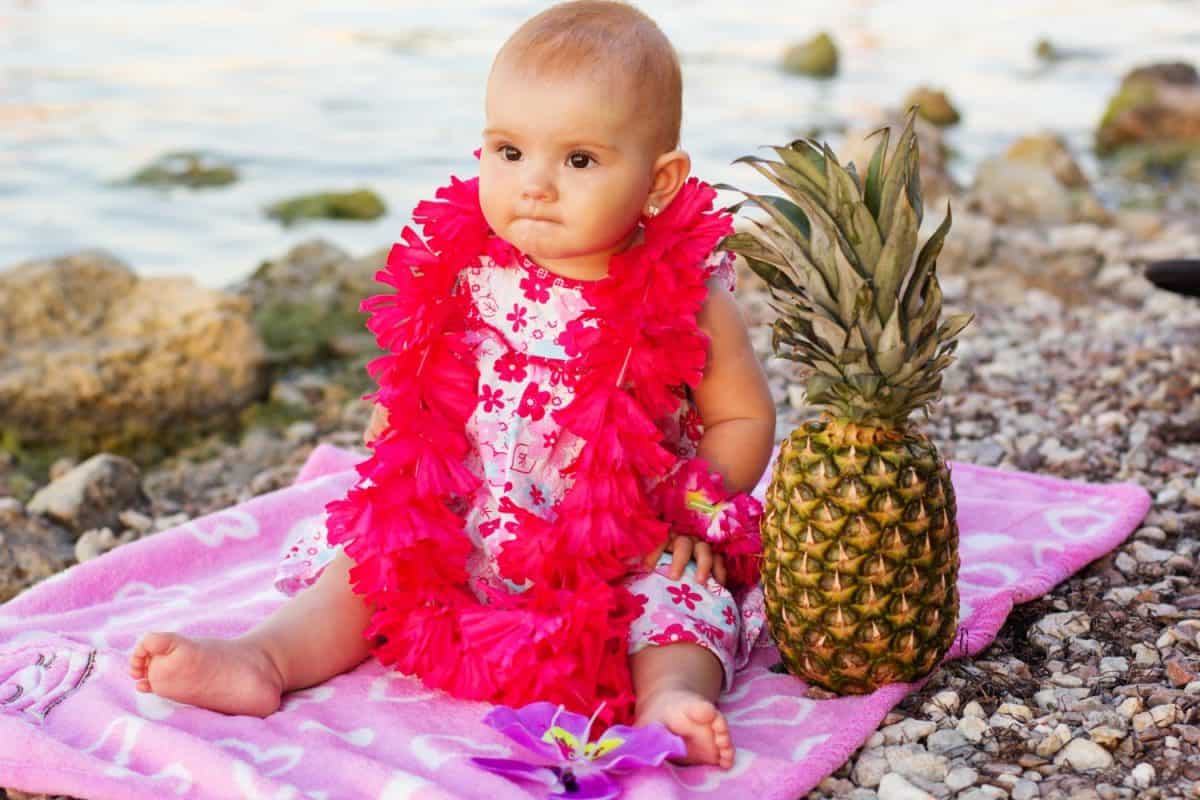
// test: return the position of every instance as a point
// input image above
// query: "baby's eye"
(509, 153)
(580, 160)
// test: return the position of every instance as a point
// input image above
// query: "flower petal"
(517, 770)
(645, 745)
(594, 786)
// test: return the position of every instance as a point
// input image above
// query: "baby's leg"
(678, 685)
(315, 635)
(681, 647)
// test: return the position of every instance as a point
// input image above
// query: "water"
(306, 95)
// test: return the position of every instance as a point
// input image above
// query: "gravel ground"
(1075, 366)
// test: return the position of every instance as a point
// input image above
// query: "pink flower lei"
(564, 640)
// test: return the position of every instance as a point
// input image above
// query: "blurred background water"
(309, 95)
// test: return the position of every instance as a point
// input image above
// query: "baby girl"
(568, 387)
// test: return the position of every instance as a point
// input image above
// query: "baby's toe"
(155, 644)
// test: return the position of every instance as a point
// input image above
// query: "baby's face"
(565, 169)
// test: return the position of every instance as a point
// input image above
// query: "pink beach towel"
(71, 722)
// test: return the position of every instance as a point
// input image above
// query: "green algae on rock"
(1156, 104)
(359, 204)
(817, 58)
(189, 168)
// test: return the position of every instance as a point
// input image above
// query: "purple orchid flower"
(579, 768)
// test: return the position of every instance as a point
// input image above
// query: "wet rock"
(188, 168)
(1155, 104)
(933, 106)
(89, 351)
(816, 58)
(92, 495)
(357, 204)
(306, 301)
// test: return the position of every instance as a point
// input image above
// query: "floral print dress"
(518, 313)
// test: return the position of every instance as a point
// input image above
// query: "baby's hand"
(688, 548)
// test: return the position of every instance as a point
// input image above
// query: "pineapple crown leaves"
(854, 302)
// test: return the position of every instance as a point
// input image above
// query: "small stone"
(1114, 666)
(870, 768)
(1148, 554)
(11, 505)
(972, 728)
(1144, 655)
(906, 731)
(1178, 674)
(1126, 563)
(1106, 736)
(1069, 681)
(960, 778)
(1192, 688)
(1083, 754)
(894, 787)
(1024, 789)
(973, 709)
(914, 762)
(984, 792)
(1053, 742)
(135, 520)
(945, 740)
(1016, 711)
(93, 544)
(944, 703)
(90, 495)
(1141, 776)
(1129, 707)
(1165, 714)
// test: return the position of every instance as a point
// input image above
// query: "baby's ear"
(671, 170)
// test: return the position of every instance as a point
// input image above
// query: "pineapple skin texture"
(860, 560)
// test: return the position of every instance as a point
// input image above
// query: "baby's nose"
(537, 184)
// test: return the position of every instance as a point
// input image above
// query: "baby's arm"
(738, 414)
(733, 398)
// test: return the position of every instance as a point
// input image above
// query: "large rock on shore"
(1036, 180)
(1155, 105)
(91, 353)
(305, 303)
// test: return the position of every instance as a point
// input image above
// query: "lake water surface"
(306, 95)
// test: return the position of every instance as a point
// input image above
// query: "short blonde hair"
(607, 39)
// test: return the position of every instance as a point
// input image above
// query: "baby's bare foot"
(695, 720)
(229, 676)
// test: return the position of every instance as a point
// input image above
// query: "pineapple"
(859, 535)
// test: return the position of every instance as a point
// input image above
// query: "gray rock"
(960, 778)
(945, 740)
(913, 761)
(1083, 754)
(92, 495)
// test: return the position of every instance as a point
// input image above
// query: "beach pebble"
(91, 495)
(1083, 754)
(894, 787)
(960, 778)
(1141, 777)
(94, 543)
